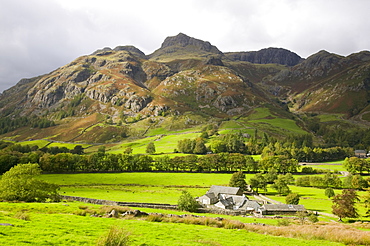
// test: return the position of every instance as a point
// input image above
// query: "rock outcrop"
(266, 56)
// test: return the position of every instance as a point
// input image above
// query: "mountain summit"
(185, 82)
(183, 45)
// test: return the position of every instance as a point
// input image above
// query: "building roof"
(211, 195)
(251, 205)
(237, 200)
(283, 207)
(225, 203)
(216, 189)
(360, 151)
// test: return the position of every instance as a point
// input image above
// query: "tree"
(200, 147)
(292, 198)
(150, 148)
(186, 145)
(367, 202)
(329, 192)
(344, 204)
(187, 202)
(281, 185)
(20, 184)
(128, 151)
(258, 181)
(354, 165)
(238, 180)
(78, 149)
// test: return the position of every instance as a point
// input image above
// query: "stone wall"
(114, 203)
(223, 211)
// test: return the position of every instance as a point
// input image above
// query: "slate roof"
(211, 195)
(216, 189)
(251, 205)
(283, 207)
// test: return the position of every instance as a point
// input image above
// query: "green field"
(62, 223)
(136, 187)
(163, 143)
(59, 224)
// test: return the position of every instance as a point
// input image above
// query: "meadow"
(69, 223)
(64, 224)
(167, 187)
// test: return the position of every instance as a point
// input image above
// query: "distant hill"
(110, 90)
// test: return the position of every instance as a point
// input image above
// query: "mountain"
(183, 46)
(186, 82)
(266, 56)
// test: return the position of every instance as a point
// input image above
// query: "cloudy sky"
(38, 36)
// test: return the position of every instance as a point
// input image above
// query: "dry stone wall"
(115, 203)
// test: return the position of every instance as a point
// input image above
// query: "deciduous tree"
(187, 202)
(20, 184)
(150, 148)
(292, 198)
(344, 204)
(238, 180)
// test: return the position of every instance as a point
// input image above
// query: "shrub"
(283, 222)
(329, 192)
(20, 184)
(154, 218)
(187, 202)
(313, 218)
(22, 216)
(115, 237)
(292, 198)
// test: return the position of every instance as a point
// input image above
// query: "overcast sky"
(38, 36)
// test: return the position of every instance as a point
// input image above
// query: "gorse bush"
(116, 236)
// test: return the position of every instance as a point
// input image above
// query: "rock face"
(183, 44)
(266, 56)
(191, 75)
(183, 40)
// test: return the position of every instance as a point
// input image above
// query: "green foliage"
(200, 147)
(283, 222)
(116, 236)
(150, 148)
(366, 200)
(329, 192)
(187, 202)
(292, 198)
(20, 184)
(313, 218)
(281, 185)
(301, 215)
(238, 180)
(356, 165)
(8, 124)
(344, 204)
(186, 146)
(258, 181)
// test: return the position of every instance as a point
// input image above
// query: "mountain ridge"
(190, 76)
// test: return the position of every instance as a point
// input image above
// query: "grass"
(265, 119)
(145, 178)
(132, 187)
(68, 145)
(314, 199)
(58, 224)
(163, 144)
(39, 143)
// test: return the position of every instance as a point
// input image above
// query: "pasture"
(64, 224)
(69, 223)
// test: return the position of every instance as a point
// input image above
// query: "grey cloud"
(38, 36)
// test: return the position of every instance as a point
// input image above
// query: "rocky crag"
(188, 75)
